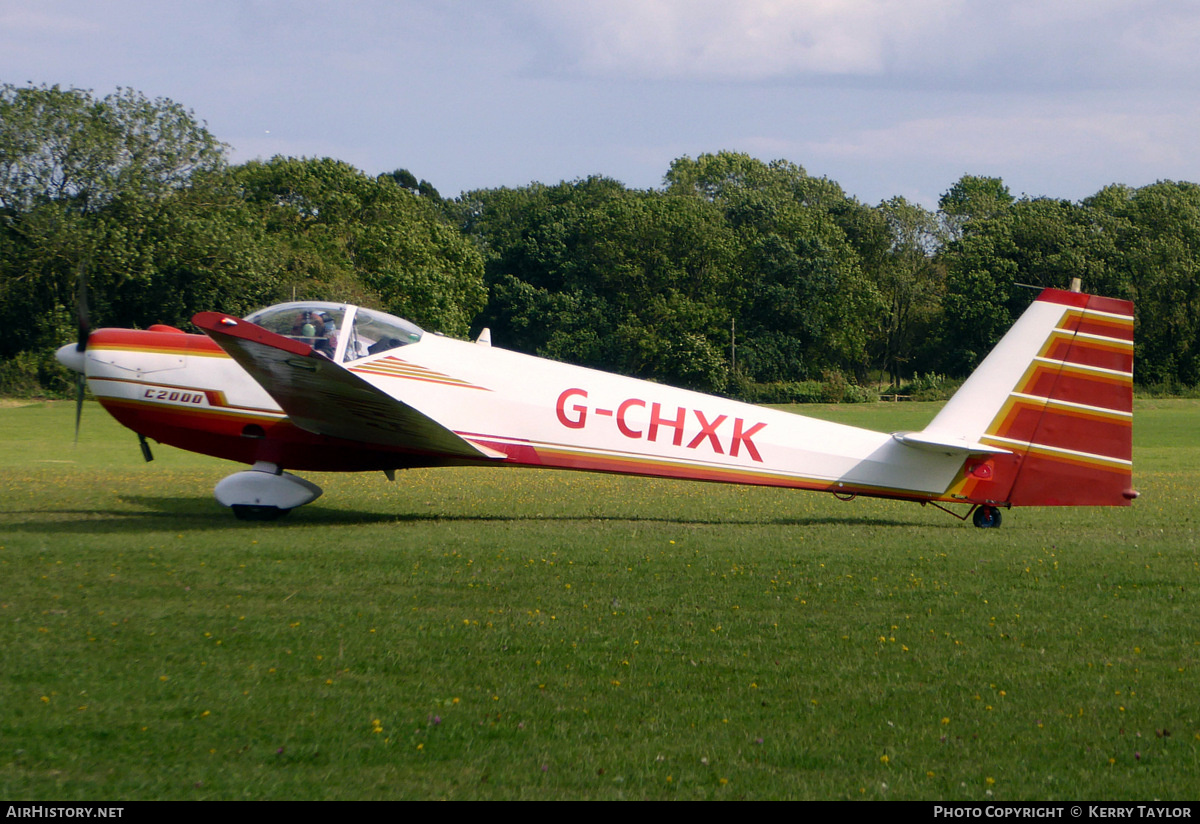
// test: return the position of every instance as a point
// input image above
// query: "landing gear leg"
(987, 517)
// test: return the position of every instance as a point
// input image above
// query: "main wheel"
(251, 512)
(987, 517)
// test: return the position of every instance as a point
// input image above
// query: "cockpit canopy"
(338, 330)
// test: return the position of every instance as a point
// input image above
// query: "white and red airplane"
(1046, 419)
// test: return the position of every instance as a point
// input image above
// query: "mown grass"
(485, 633)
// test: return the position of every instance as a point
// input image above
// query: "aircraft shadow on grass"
(196, 514)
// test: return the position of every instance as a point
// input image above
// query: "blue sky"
(886, 97)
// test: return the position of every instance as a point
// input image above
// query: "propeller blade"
(82, 315)
(80, 384)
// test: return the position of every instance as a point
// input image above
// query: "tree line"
(735, 276)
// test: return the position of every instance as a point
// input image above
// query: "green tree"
(980, 273)
(81, 180)
(592, 273)
(1037, 243)
(805, 304)
(146, 261)
(972, 200)
(910, 281)
(344, 235)
(1155, 260)
(64, 145)
(407, 180)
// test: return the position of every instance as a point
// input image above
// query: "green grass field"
(490, 633)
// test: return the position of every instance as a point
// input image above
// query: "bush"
(1166, 389)
(35, 374)
(833, 389)
(853, 393)
(931, 387)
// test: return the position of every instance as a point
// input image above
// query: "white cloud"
(881, 95)
(747, 40)
(964, 43)
(969, 139)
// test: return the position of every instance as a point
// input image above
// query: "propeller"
(82, 314)
(85, 330)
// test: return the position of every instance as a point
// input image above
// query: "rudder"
(1057, 392)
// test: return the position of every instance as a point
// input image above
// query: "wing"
(323, 397)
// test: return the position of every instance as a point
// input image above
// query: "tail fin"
(1057, 394)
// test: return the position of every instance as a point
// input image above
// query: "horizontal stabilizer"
(946, 445)
(321, 396)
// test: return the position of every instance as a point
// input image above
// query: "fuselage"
(1046, 419)
(183, 390)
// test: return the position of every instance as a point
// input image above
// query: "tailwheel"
(251, 512)
(987, 517)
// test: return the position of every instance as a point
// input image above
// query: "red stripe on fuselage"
(223, 434)
(545, 456)
(157, 342)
